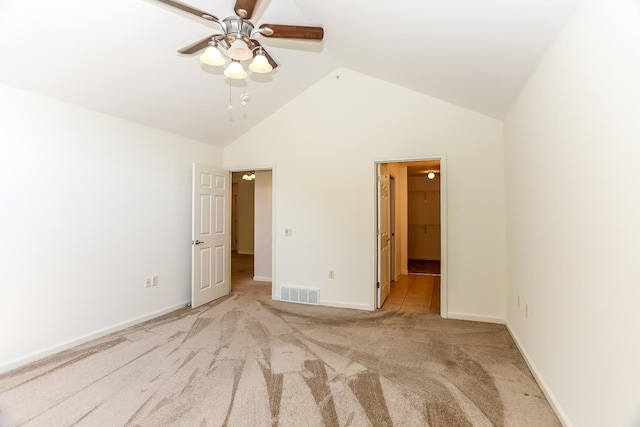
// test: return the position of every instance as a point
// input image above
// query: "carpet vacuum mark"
(248, 361)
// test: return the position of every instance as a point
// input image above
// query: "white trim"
(405, 272)
(273, 232)
(555, 405)
(444, 256)
(261, 279)
(476, 318)
(250, 168)
(340, 304)
(444, 251)
(57, 348)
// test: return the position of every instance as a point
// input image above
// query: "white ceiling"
(119, 56)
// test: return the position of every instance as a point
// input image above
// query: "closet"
(424, 217)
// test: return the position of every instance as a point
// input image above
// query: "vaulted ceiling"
(119, 56)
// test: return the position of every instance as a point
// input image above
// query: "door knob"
(196, 242)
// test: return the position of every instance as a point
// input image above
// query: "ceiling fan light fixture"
(212, 56)
(260, 63)
(235, 71)
(237, 39)
(239, 50)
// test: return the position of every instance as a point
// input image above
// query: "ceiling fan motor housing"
(235, 28)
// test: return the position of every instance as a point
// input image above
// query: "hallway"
(242, 270)
(414, 293)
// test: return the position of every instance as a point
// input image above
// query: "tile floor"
(414, 293)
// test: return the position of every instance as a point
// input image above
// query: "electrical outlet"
(332, 274)
(155, 280)
(147, 282)
(526, 310)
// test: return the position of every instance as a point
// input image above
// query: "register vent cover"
(300, 295)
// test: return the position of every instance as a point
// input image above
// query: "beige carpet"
(248, 361)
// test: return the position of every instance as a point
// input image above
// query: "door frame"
(444, 254)
(392, 226)
(234, 214)
(271, 168)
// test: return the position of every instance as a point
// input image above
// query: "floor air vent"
(301, 295)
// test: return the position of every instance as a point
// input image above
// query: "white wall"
(573, 155)
(90, 206)
(263, 226)
(324, 144)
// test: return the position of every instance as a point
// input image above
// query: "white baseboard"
(340, 304)
(336, 304)
(261, 279)
(49, 351)
(475, 318)
(405, 272)
(562, 416)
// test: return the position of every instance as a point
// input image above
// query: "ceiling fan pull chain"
(230, 106)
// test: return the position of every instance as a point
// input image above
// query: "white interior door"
(384, 257)
(211, 240)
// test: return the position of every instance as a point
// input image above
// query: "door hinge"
(378, 285)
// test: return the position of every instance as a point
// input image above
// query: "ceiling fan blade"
(244, 8)
(273, 63)
(292, 32)
(196, 46)
(190, 9)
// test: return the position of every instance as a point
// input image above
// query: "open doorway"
(424, 225)
(416, 235)
(251, 227)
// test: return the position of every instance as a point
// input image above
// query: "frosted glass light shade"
(239, 51)
(431, 175)
(235, 71)
(212, 56)
(260, 64)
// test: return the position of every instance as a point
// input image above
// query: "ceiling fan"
(238, 39)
